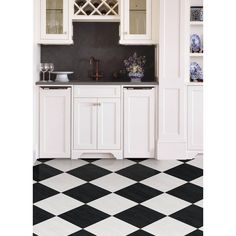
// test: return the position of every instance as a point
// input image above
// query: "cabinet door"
(195, 118)
(109, 128)
(54, 17)
(139, 123)
(55, 123)
(85, 123)
(137, 19)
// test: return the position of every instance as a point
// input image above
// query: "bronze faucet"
(95, 64)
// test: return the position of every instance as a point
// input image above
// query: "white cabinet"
(174, 68)
(139, 123)
(55, 122)
(55, 22)
(139, 22)
(109, 123)
(195, 118)
(85, 123)
(97, 120)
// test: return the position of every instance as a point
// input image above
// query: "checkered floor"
(118, 198)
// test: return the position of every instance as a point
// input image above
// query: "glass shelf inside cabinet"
(54, 17)
(96, 7)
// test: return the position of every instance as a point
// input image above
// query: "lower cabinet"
(54, 122)
(195, 118)
(97, 123)
(139, 122)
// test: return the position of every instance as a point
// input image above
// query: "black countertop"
(100, 82)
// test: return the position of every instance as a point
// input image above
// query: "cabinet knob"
(125, 32)
(65, 32)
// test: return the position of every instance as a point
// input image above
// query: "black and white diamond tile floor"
(118, 197)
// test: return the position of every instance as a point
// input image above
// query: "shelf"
(200, 23)
(194, 83)
(196, 54)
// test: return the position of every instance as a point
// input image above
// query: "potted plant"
(135, 67)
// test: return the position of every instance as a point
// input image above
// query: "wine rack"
(96, 10)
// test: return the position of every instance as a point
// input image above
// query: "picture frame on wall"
(196, 13)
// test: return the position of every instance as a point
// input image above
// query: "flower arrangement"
(135, 65)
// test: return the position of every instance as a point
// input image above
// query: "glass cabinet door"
(138, 19)
(54, 19)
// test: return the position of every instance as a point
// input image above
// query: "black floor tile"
(185, 172)
(137, 159)
(84, 216)
(43, 171)
(82, 233)
(89, 172)
(139, 216)
(138, 192)
(192, 215)
(41, 192)
(87, 192)
(196, 233)
(138, 172)
(44, 159)
(185, 161)
(91, 160)
(40, 215)
(140, 233)
(188, 192)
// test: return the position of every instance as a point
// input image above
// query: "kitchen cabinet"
(54, 124)
(55, 22)
(85, 123)
(139, 22)
(174, 69)
(195, 118)
(97, 120)
(139, 122)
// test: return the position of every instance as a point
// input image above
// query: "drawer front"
(90, 91)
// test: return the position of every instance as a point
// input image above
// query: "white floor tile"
(63, 182)
(161, 165)
(198, 181)
(112, 204)
(166, 204)
(111, 227)
(66, 164)
(58, 204)
(55, 227)
(169, 227)
(113, 165)
(163, 182)
(200, 203)
(198, 162)
(113, 182)
(37, 163)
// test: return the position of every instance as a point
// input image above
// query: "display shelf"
(196, 54)
(194, 83)
(200, 23)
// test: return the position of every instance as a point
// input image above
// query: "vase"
(136, 77)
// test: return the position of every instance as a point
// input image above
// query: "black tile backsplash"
(100, 40)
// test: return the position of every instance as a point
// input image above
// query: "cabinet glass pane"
(54, 17)
(138, 15)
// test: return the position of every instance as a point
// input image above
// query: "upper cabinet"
(55, 24)
(139, 22)
(96, 10)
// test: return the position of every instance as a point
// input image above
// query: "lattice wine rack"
(96, 9)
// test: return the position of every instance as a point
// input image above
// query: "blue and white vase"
(136, 77)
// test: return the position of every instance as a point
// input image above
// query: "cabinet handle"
(65, 32)
(125, 33)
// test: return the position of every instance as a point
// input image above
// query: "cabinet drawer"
(97, 91)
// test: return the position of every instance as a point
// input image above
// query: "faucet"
(95, 63)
